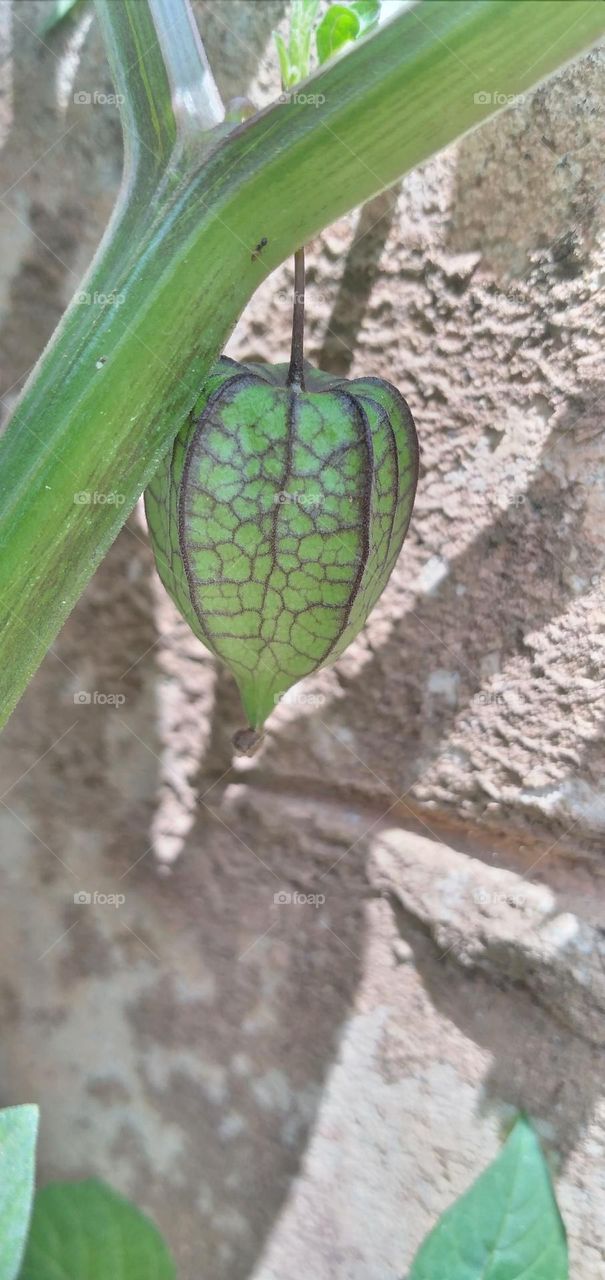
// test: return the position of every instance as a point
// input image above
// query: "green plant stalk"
(117, 380)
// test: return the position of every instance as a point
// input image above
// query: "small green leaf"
(18, 1130)
(59, 10)
(302, 21)
(507, 1226)
(284, 60)
(295, 55)
(368, 12)
(86, 1231)
(338, 27)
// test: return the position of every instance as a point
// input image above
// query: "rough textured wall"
(295, 1087)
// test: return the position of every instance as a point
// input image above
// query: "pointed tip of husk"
(247, 741)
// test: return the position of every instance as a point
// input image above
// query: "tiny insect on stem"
(296, 371)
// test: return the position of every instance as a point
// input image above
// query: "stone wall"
(300, 1087)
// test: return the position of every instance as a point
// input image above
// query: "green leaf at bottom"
(86, 1231)
(506, 1227)
(18, 1130)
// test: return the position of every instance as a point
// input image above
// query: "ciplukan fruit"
(278, 515)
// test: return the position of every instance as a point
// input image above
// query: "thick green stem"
(176, 267)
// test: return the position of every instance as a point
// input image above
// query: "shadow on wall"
(362, 268)
(537, 1066)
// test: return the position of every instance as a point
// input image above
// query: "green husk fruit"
(278, 516)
